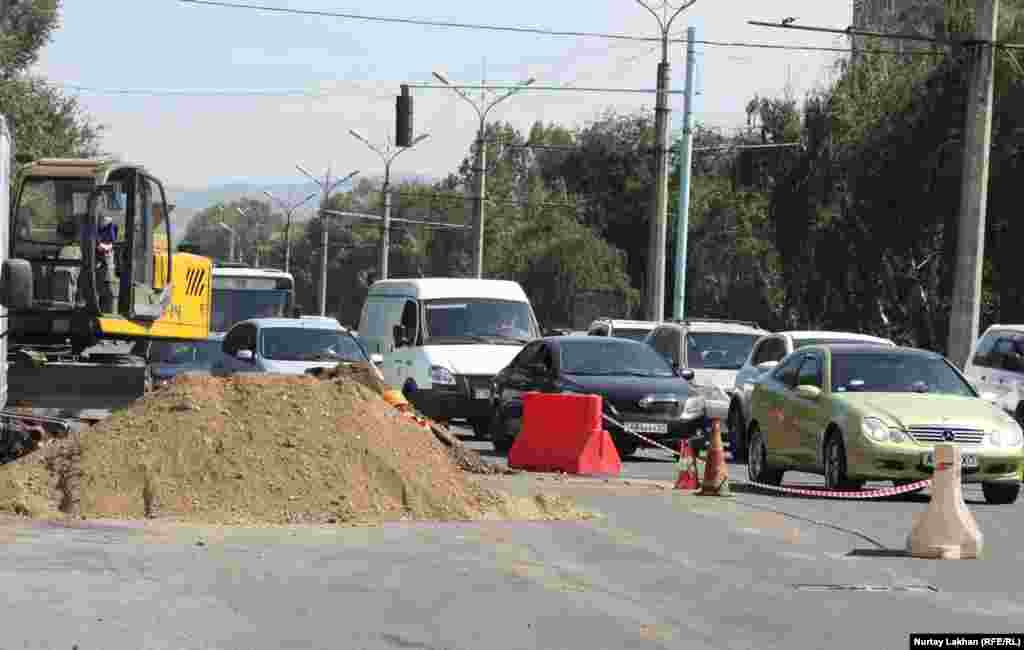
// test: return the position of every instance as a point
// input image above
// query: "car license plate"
(647, 427)
(970, 461)
(482, 393)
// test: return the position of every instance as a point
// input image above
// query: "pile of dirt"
(259, 449)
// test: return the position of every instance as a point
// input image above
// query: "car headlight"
(1010, 436)
(693, 406)
(879, 431)
(441, 375)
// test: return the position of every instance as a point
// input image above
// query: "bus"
(241, 292)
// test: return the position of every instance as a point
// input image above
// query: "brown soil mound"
(258, 449)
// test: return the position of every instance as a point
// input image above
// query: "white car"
(996, 367)
(714, 349)
(764, 356)
(287, 346)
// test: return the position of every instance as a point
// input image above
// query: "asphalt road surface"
(657, 569)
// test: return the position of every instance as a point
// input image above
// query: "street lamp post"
(288, 211)
(481, 165)
(231, 240)
(658, 234)
(388, 155)
(326, 186)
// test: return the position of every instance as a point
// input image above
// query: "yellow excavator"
(89, 274)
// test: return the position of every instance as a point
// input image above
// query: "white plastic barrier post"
(947, 529)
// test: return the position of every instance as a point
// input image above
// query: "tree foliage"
(45, 121)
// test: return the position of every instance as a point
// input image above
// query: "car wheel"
(738, 434)
(757, 460)
(1000, 493)
(835, 465)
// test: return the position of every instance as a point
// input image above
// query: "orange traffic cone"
(716, 473)
(688, 479)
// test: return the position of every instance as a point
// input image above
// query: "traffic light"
(403, 125)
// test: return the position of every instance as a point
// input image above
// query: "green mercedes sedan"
(857, 412)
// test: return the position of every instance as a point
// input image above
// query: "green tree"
(45, 122)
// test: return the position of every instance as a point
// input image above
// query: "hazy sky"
(116, 45)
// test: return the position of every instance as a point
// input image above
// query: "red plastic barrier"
(563, 432)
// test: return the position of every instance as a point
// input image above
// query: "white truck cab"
(441, 341)
(996, 367)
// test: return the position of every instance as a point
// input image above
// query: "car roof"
(826, 334)
(324, 323)
(590, 340)
(450, 288)
(872, 348)
(1008, 328)
(721, 326)
(625, 322)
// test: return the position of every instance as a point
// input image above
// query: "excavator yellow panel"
(187, 317)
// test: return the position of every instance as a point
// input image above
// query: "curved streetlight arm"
(355, 134)
(460, 94)
(506, 96)
(420, 138)
(309, 175)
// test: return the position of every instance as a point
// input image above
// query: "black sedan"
(638, 387)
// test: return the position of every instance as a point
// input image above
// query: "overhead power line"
(529, 30)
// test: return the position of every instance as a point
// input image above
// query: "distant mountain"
(189, 201)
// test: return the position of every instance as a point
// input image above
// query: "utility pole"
(656, 251)
(685, 167)
(288, 211)
(480, 165)
(388, 155)
(231, 240)
(326, 187)
(965, 314)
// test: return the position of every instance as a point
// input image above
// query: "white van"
(442, 340)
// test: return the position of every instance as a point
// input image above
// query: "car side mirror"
(401, 335)
(245, 355)
(685, 373)
(766, 365)
(538, 369)
(377, 358)
(16, 284)
(807, 391)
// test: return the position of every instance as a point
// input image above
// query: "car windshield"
(308, 344)
(636, 335)
(718, 351)
(608, 356)
(182, 352)
(883, 372)
(51, 211)
(480, 319)
(231, 306)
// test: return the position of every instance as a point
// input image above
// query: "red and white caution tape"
(845, 494)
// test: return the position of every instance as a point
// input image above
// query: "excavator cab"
(88, 228)
(93, 238)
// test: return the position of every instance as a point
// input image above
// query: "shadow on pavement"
(877, 552)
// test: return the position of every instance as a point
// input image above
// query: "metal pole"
(323, 245)
(659, 211)
(966, 308)
(478, 202)
(683, 222)
(385, 232)
(287, 240)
